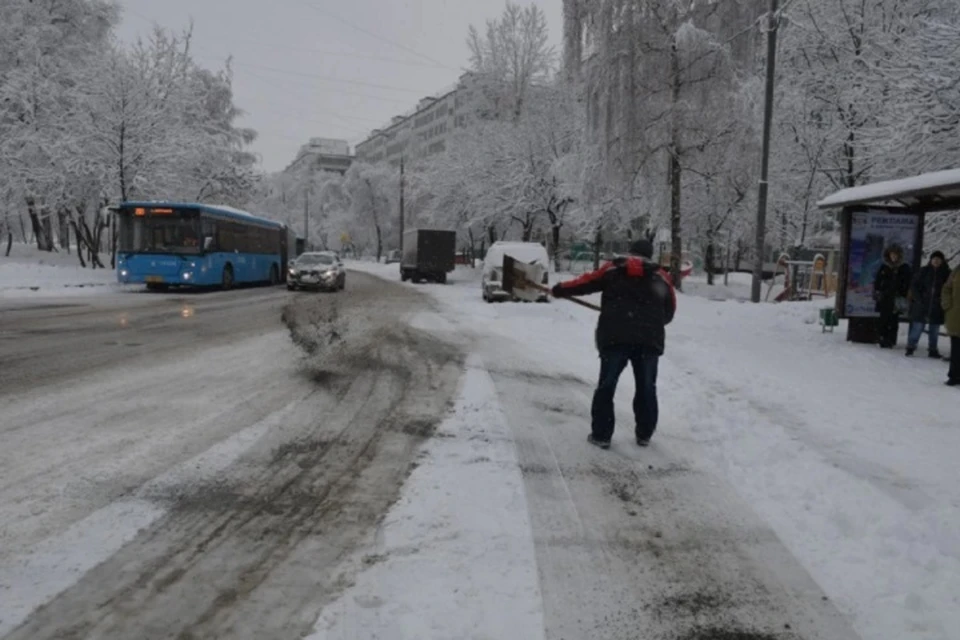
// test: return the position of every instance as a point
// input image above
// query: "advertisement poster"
(871, 232)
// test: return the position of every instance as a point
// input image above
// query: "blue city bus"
(176, 244)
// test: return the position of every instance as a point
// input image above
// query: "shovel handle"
(582, 303)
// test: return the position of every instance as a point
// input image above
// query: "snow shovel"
(522, 280)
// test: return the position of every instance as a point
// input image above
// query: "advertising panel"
(871, 233)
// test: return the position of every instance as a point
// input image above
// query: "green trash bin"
(828, 319)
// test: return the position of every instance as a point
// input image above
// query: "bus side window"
(209, 231)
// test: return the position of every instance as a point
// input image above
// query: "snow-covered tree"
(660, 80)
(85, 122)
(866, 92)
(511, 58)
(373, 191)
(44, 46)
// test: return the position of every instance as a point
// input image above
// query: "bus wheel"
(274, 276)
(227, 281)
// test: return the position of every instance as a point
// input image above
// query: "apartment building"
(426, 129)
(322, 154)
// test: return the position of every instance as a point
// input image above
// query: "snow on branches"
(86, 122)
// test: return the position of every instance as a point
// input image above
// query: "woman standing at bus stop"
(950, 301)
(890, 288)
(925, 310)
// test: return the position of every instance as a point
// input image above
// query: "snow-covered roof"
(929, 191)
(523, 251)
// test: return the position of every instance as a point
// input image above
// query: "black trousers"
(613, 360)
(954, 373)
(889, 326)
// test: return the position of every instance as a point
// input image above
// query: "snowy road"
(173, 468)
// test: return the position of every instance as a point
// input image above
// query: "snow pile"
(31, 273)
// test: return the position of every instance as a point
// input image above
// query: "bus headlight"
(187, 275)
(123, 273)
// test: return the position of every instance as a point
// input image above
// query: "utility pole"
(401, 205)
(765, 158)
(306, 220)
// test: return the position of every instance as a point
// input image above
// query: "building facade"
(426, 129)
(322, 154)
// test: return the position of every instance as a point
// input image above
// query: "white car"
(317, 270)
(528, 252)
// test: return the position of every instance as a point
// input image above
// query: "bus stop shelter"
(873, 217)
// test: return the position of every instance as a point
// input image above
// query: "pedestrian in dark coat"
(950, 301)
(925, 309)
(890, 288)
(638, 302)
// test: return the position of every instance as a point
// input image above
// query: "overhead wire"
(246, 69)
(344, 54)
(376, 36)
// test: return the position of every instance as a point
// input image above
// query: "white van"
(528, 252)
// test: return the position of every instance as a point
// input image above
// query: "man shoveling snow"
(638, 301)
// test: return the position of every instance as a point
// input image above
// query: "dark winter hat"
(642, 248)
(938, 254)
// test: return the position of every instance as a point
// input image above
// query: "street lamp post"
(402, 178)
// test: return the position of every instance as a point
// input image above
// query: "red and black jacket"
(638, 302)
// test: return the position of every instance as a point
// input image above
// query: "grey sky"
(301, 70)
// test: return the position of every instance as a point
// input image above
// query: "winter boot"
(934, 354)
(910, 351)
(603, 444)
(643, 442)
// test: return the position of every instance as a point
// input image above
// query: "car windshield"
(311, 260)
(167, 234)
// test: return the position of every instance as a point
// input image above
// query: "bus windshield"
(159, 234)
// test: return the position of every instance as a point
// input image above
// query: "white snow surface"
(460, 534)
(846, 451)
(29, 273)
(30, 578)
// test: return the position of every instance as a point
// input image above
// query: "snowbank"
(29, 273)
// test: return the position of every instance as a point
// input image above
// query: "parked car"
(492, 278)
(317, 270)
(392, 256)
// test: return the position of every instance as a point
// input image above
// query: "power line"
(300, 73)
(338, 92)
(304, 74)
(319, 110)
(376, 35)
(343, 54)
